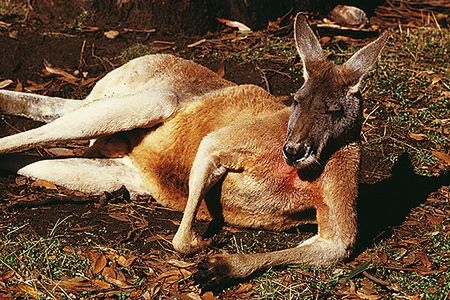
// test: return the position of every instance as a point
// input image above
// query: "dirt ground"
(63, 244)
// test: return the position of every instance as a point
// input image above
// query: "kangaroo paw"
(190, 245)
(219, 270)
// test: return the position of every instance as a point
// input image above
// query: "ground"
(58, 244)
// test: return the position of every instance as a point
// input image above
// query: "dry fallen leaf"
(173, 276)
(435, 220)
(423, 270)
(108, 273)
(99, 264)
(61, 151)
(325, 40)
(13, 34)
(409, 259)
(244, 288)
(424, 259)
(435, 79)
(117, 282)
(100, 284)
(362, 295)
(88, 82)
(68, 249)
(381, 256)
(124, 262)
(5, 83)
(35, 87)
(4, 25)
(341, 38)
(19, 86)
(92, 256)
(197, 43)
(21, 180)
(76, 284)
(44, 184)
(179, 263)
(368, 291)
(418, 136)
(235, 24)
(90, 29)
(30, 290)
(8, 274)
(146, 295)
(442, 156)
(119, 217)
(136, 294)
(60, 72)
(193, 296)
(120, 276)
(111, 34)
(209, 296)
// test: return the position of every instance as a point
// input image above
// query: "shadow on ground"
(387, 203)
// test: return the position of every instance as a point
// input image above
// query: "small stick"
(81, 61)
(265, 78)
(140, 30)
(387, 284)
(403, 143)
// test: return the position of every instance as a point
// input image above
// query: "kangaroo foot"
(189, 243)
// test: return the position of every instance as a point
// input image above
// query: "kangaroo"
(172, 129)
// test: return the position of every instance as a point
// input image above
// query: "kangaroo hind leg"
(88, 175)
(100, 117)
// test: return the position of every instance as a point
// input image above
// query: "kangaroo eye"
(336, 109)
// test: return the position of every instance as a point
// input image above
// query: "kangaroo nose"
(292, 153)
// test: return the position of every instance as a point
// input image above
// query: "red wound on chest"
(285, 172)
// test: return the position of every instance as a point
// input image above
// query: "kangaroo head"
(326, 110)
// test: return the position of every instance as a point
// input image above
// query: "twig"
(436, 21)
(49, 201)
(364, 137)
(11, 126)
(81, 61)
(387, 284)
(140, 30)
(278, 72)
(30, 8)
(265, 78)
(403, 143)
(59, 35)
(101, 59)
(368, 116)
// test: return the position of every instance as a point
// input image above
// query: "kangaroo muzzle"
(297, 154)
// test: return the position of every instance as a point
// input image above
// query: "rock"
(348, 15)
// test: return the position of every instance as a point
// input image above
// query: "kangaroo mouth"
(303, 159)
(306, 162)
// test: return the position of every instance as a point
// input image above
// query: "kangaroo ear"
(307, 44)
(362, 61)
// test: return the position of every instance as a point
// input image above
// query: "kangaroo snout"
(296, 153)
